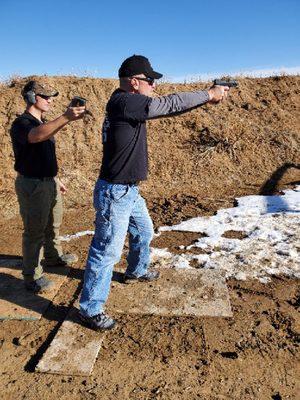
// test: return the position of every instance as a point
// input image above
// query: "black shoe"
(149, 276)
(39, 285)
(99, 322)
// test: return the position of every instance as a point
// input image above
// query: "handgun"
(78, 102)
(220, 82)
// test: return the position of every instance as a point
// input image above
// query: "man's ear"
(135, 83)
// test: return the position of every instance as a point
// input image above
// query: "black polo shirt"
(124, 137)
(32, 159)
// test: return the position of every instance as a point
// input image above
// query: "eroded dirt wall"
(216, 151)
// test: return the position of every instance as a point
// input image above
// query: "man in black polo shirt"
(119, 206)
(37, 189)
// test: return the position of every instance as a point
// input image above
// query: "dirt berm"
(245, 145)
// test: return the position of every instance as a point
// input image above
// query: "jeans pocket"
(118, 191)
(102, 203)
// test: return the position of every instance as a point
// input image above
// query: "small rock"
(229, 354)
(16, 341)
(276, 396)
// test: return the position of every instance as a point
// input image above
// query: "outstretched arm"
(45, 131)
(184, 101)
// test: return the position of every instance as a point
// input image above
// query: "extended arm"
(45, 131)
(176, 103)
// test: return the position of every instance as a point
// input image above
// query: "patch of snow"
(67, 238)
(271, 225)
(271, 246)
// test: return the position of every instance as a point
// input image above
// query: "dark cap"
(136, 65)
(39, 88)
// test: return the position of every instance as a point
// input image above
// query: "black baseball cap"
(136, 65)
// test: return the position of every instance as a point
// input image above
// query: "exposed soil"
(171, 239)
(199, 163)
(234, 235)
(254, 355)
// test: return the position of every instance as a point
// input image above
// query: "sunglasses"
(149, 80)
(43, 96)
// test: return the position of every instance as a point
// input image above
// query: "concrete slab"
(74, 349)
(178, 292)
(18, 303)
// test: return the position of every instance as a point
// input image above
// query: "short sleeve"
(136, 107)
(20, 130)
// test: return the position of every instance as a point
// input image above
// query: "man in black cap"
(119, 206)
(38, 191)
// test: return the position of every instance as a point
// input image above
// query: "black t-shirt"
(32, 159)
(124, 136)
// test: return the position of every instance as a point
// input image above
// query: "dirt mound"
(249, 144)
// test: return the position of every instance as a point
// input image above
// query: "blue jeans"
(119, 209)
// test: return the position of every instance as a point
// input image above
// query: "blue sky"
(181, 38)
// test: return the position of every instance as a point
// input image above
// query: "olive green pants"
(41, 210)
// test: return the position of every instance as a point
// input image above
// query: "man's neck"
(127, 90)
(35, 112)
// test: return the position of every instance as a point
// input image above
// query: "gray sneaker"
(149, 276)
(64, 260)
(99, 322)
(39, 285)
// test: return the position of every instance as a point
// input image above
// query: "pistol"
(229, 83)
(78, 102)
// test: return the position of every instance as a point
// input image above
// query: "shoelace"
(101, 317)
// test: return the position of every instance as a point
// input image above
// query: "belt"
(40, 178)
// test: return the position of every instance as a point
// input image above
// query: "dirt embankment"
(248, 144)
